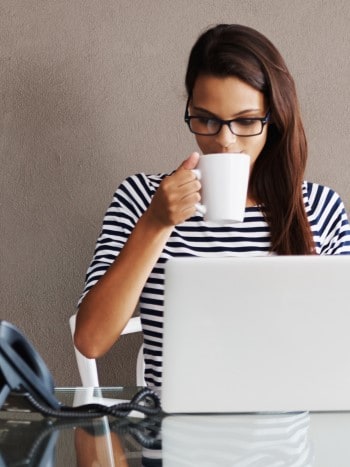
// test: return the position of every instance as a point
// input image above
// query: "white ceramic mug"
(224, 178)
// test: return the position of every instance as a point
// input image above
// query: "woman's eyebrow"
(238, 114)
(200, 109)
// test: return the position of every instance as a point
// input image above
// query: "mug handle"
(201, 209)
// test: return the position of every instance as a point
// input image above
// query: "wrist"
(154, 226)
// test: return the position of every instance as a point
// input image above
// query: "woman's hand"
(176, 198)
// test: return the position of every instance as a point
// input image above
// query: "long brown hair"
(277, 175)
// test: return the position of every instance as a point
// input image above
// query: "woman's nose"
(225, 138)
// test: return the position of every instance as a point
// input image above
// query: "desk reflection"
(193, 440)
(102, 449)
(237, 440)
(104, 444)
(27, 443)
(84, 444)
(249, 440)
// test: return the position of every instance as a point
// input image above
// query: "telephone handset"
(22, 369)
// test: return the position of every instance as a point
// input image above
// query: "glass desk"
(251, 440)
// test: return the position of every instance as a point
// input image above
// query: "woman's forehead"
(228, 94)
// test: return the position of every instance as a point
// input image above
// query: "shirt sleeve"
(329, 221)
(128, 204)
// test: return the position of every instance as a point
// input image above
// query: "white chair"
(87, 366)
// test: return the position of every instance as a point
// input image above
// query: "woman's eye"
(204, 120)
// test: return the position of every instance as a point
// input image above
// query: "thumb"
(191, 161)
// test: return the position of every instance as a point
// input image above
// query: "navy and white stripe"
(324, 208)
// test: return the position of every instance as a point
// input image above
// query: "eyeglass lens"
(240, 127)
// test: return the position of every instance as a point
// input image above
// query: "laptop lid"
(256, 334)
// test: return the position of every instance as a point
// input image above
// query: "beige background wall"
(92, 91)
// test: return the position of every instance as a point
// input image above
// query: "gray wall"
(92, 91)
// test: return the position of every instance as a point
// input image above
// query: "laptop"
(256, 334)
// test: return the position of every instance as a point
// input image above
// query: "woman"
(235, 79)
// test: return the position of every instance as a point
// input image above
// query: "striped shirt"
(195, 237)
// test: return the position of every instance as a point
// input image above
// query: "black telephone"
(22, 369)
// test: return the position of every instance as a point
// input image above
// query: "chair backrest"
(87, 366)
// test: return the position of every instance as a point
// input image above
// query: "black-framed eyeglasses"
(210, 126)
